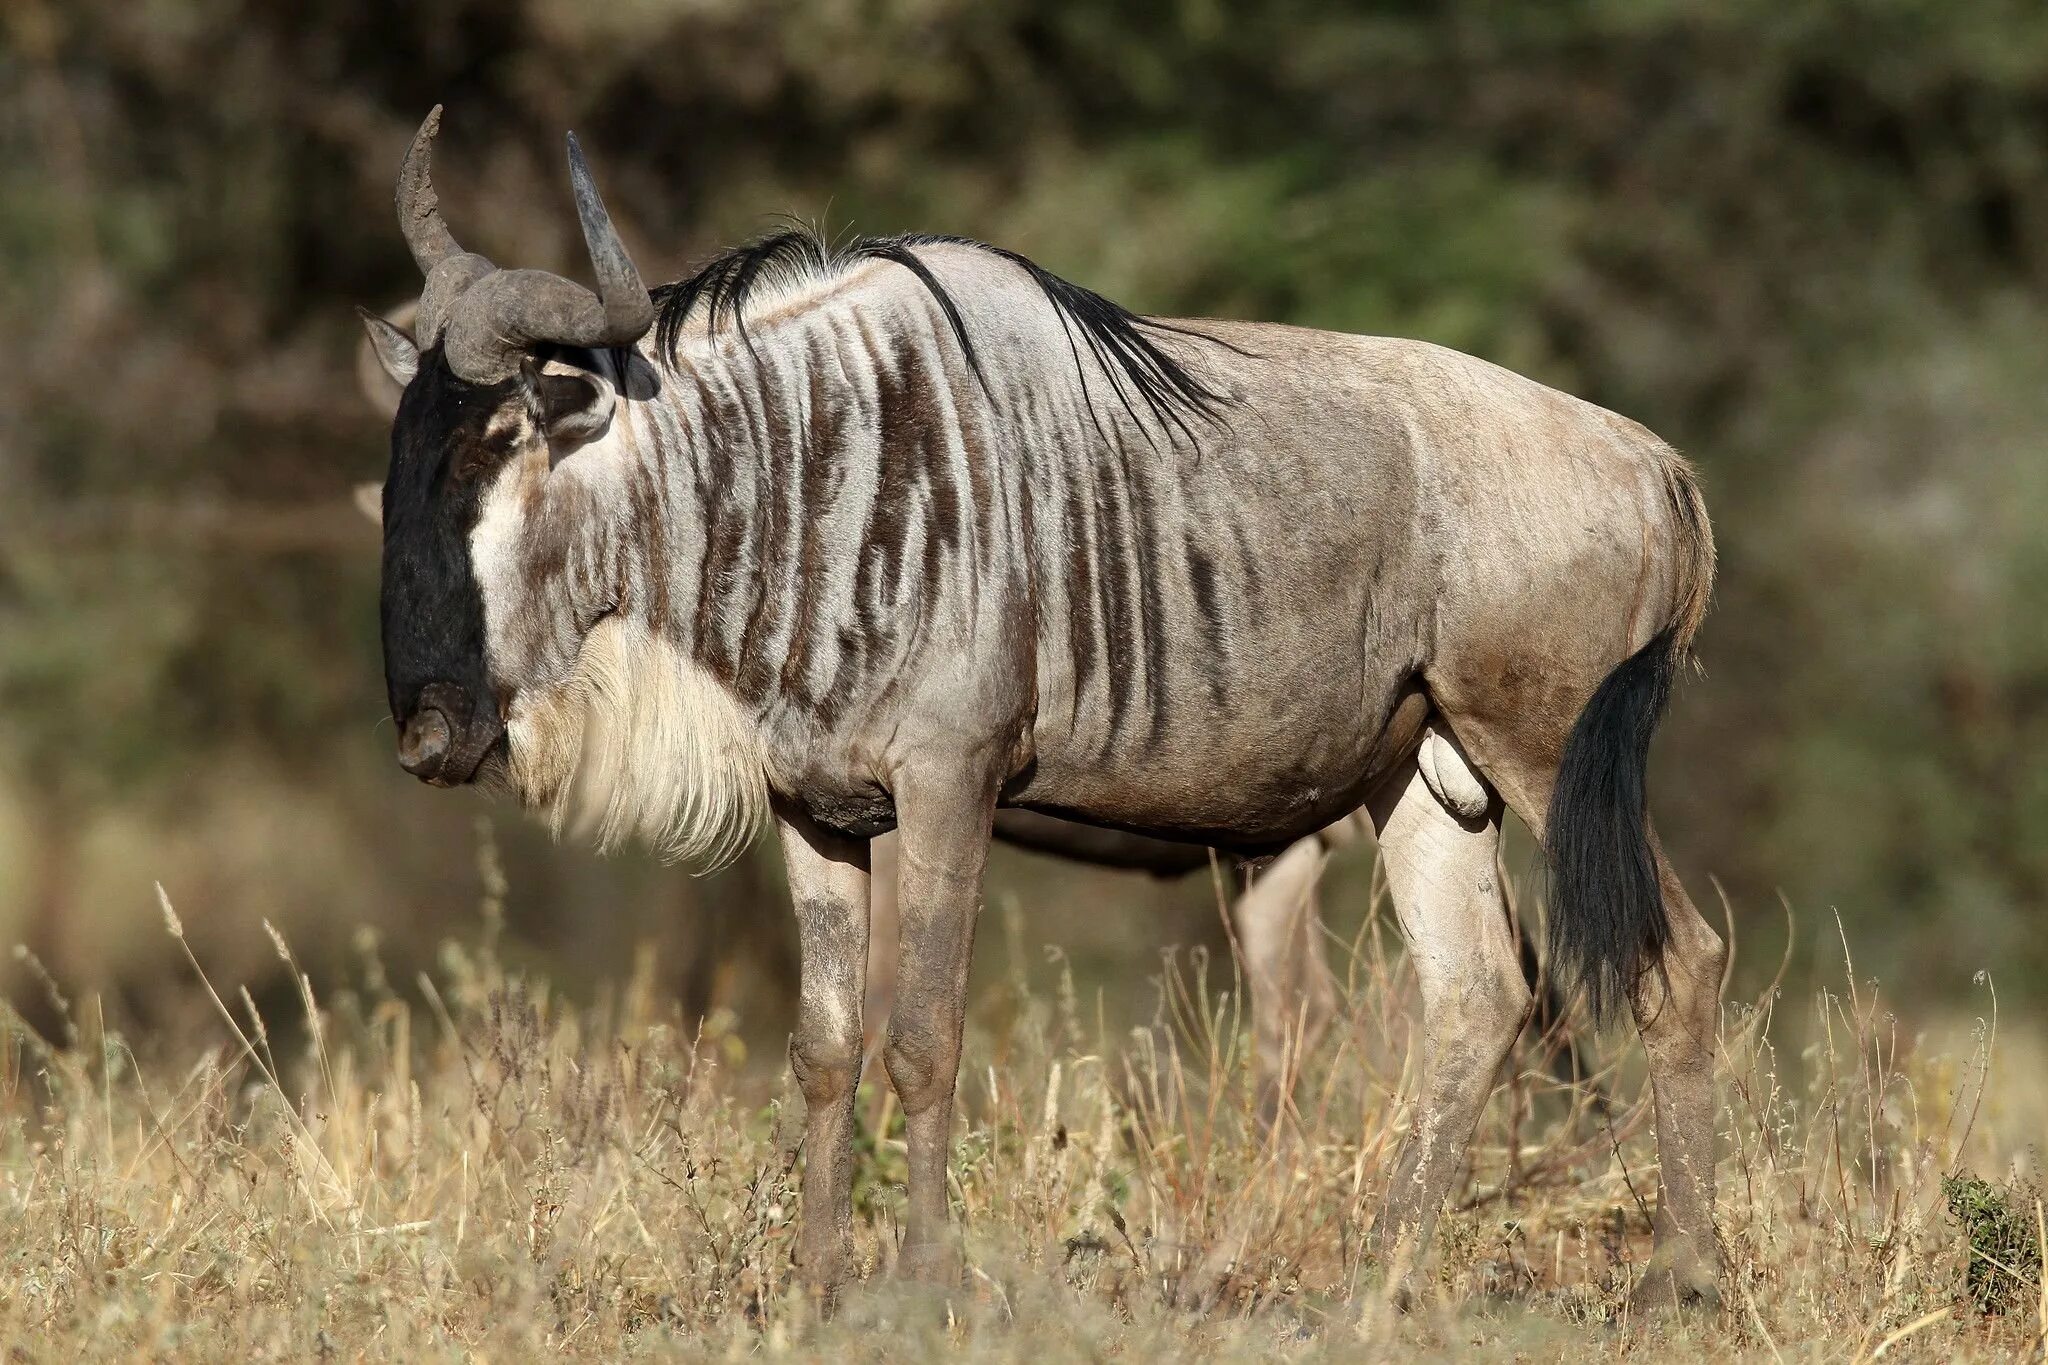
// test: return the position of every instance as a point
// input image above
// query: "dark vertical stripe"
(724, 534)
(891, 522)
(860, 640)
(1215, 648)
(823, 447)
(646, 532)
(779, 455)
(1083, 627)
(1151, 613)
(1117, 619)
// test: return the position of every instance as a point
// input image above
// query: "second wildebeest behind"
(892, 535)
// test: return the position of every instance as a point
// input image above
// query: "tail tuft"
(1607, 923)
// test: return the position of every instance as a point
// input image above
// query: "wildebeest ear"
(369, 500)
(397, 360)
(573, 407)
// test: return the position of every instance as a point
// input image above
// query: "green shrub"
(2005, 1242)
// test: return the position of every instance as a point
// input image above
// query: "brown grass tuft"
(483, 1171)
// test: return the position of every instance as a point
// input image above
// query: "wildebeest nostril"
(424, 745)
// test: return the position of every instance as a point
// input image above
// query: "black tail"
(1607, 920)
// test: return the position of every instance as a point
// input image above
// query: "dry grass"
(470, 1169)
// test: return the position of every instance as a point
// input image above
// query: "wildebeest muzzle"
(447, 737)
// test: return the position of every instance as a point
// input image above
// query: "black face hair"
(431, 609)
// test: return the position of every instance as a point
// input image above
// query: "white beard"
(641, 741)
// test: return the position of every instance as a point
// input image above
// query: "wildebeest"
(1275, 931)
(893, 534)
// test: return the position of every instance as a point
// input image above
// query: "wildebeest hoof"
(822, 1266)
(934, 1263)
(1679, 1281)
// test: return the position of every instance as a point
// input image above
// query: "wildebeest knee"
(1695, 960)
(824, 1063)
(1510, 1002)
(920, 1066)
(1493, 1007)
(1709, 955)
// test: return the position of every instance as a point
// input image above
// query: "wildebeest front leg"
(1447, 897)
(942, 851)
(828, 881)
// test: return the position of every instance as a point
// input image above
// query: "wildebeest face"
(459, 449)
(508, 610)
(476, 614)
(449, 439)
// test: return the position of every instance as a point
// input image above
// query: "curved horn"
(628, 311)
(419, 209)
(505, 314)
(493, 318)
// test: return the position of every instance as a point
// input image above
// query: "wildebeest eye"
(479, 456)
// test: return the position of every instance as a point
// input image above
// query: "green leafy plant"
(2005, 1242)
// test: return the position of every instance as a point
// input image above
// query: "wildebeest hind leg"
(1447, 897)
(1678, 1012)
(943, 849)
(1293, 998)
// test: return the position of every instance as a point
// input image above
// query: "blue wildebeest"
(1275, 931)
(895, 534)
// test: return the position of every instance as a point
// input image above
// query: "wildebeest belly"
(1247, 702)
(1252, 780)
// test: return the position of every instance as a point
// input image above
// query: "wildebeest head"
(477, 414)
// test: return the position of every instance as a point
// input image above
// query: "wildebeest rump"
(890, 536)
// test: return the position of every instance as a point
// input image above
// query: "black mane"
(1114, 335)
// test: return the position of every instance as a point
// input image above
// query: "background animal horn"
(628, 311)
(419, 208)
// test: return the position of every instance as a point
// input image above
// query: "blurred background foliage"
(1803, 241)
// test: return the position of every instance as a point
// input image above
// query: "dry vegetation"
(465, 1167)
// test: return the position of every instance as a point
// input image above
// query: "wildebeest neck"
(795, 501)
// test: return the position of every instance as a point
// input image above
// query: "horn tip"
(430, 129)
